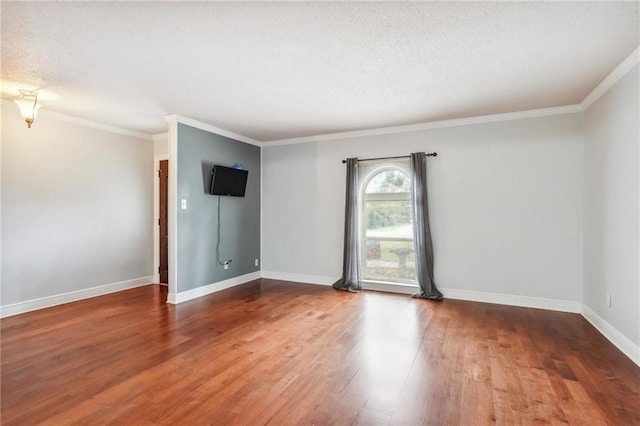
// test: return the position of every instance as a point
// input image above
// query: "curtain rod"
(431, 154)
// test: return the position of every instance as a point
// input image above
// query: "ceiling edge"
(213, 129)
(542, 112)
(618, 72)
(88, 123)
(614, 76)
(95, 124)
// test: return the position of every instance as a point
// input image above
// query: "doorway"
(163, 228)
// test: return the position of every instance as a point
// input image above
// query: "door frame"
(156, 215)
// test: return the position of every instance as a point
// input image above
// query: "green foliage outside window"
(386, 215)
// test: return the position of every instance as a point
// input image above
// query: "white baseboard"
(484, 297)
(625, 345)
(299, 278)
(619, 340)
(194, 293)
(449, 293)
(73, 296)
(513, 300)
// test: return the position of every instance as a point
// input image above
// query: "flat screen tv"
(228, 181)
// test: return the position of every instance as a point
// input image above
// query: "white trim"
(89, 123)
(542, 112)
(1, 151)
(260, 256)
(72, 296)
(171, 297)
(618, 72)
(299, 278)
(621, 70)
(449, 293)
(619, 340)
(513, 300)
(625, 66)
(172, 206)
(156, 215)
(194, 293)
(213, 129)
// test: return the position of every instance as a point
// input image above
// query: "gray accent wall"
(198, 152)
(77, 208)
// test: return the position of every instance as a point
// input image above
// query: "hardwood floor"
(272, 352)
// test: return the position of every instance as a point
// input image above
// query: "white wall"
(77, 208)
(505, 203)
(161, 144)
(611, 211)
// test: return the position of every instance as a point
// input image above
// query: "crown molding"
(541, 112)
(95, 125)
(618, 72)
(88, 123)
(213, 129)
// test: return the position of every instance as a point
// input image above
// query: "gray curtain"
(422, 233)
(351, 273)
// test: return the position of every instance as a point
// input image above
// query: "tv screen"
(228, 181)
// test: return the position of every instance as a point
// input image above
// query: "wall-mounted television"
(228, 181)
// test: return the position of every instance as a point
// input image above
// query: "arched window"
(387, 230)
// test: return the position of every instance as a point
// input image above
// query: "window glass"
(388, 181)
(387, 230)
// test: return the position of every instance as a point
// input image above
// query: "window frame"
(368, 170)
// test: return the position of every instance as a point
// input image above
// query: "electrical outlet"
(226, 265)
(333, 264)
(608, 300)
(183, 204)
(256, 263)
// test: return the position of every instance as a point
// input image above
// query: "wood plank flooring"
(278, 353)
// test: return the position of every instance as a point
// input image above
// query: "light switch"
(183, 204)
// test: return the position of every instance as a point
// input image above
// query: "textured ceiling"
(280, 70)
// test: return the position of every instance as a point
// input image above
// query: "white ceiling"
(274, 70)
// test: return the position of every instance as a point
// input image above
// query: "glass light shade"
(28, 109)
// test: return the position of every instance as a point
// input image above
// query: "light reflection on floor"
(391, 330)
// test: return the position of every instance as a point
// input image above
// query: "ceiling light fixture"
(29, 106)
